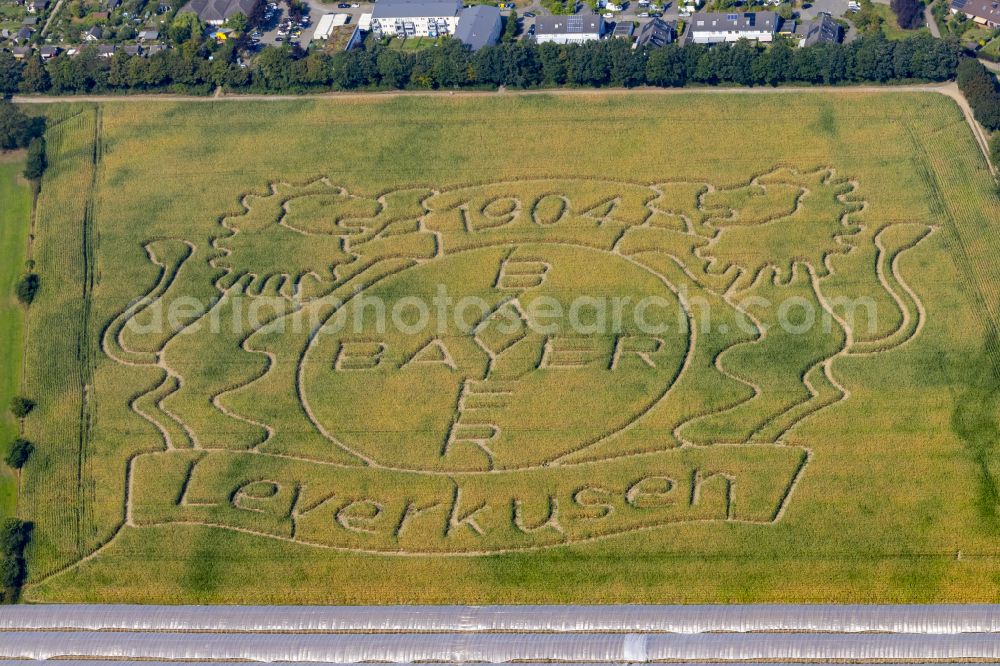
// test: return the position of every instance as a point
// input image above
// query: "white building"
(327, 23)
(568, 29)
(415, 18)
(718, 28)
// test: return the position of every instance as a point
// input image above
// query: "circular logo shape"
(504, 357)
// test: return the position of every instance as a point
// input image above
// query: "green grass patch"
(414, 43)
(15, 219)
(992, 49)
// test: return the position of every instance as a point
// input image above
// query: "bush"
(21, 406)
(16, 129)
(995, 149)
(27, 288)
(14, 536)
(36, 162)
(909, 13)
(20, 451)
(10, 572)
(979, 86)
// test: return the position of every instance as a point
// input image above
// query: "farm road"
(49, 99)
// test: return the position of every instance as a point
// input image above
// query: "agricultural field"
(468, 349)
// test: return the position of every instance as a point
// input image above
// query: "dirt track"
(44, 99)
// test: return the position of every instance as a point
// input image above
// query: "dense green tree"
(995, 149)
(980, 88)
(186, 27)
(34, 77)
(393, 69)
(20, 450)
(510, 27)
(909, 13)
(10, 73)
(239, 22)
(16, 128)
(21, 406)
(34, 167)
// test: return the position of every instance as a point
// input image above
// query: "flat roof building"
(415, 18)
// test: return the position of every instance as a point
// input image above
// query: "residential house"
(705, 28)
(149, 35)
(23, 35)
(106, 50)
(48, 52)
(215, 12)
(479, 26)
(415, 18)
(29, 21)
(153, 49)
(113, 4)
(131, 50)
(36, 6)
(94, 34)
(656, 33)
(21, 52)
(821, 29)
(568, 29)
(624, 30)
(984, 12)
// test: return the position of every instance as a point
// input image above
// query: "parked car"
(528, 14)
(643, 15)
(608, 15)
(344, 5)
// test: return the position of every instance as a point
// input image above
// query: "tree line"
(612, 62)
(980, 88)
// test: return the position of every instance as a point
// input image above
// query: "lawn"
(992, 49)
(15, 217)
(808, 412)
(890, 25)
(413, 43)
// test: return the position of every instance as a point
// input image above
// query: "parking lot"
(280, 28)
